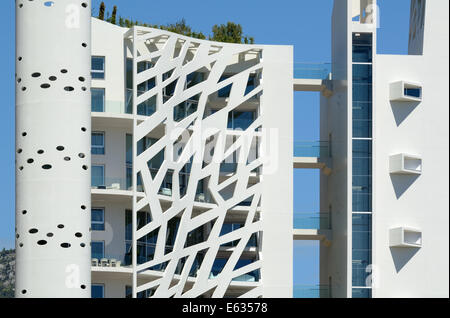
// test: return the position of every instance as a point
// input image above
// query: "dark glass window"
(97, 99)
(361, 293)
(240, 119)
(143, 294)
(362, 47)
(361, 249)
(98, 67)
(145, 245)
(225, 91)
(98, 219)
(185, 109)
(98, 143)
(194, 78)
(413, 92)
(98, 249)
(362, 176)
(251, 83)
(97, 291)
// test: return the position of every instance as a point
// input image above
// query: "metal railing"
(312, 221)
(312, 291)
(319, 149)
(312, 70)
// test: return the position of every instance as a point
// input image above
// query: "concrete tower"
(53, 48)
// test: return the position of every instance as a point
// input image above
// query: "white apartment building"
(384, 196)
(192, 156)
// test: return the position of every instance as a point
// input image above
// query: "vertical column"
(53, 45)
(362, 139)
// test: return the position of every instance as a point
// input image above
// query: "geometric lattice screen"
(193, 172)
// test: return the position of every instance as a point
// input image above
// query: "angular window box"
(405, 164)
(405, 92)
(405, 237)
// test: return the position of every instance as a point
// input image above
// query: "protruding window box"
(405, 92)
(405, 164)
(405, 237)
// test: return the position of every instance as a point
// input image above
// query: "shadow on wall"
(402, 255)
(401, 183)
(401, 110)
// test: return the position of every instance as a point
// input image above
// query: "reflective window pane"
(361, 249)
(98, 176)
(98, 67)
(97, 99)
(98, 249)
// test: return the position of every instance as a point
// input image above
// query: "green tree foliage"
(231, 32)
(101, 11)
(114, 15)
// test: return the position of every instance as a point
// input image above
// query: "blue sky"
(304, 24)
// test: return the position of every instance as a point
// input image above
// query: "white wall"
(334, 120)
(419, 202)
(277, 194)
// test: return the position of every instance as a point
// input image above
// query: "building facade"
(192, 158)
(186, 122)
(387, 125)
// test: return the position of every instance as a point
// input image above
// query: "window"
(148, 107)
(230, 227)
(97, 99)
(362, 176)
(97, 291)
(362, 48)
(219, 264)
(186, 108)
(361, 248)
(251, 84)
(413, 92)
(240, 119)
(361, 293)
(98, 249)
(142, 145)
(98, 67)
(194, 79)
(98, 143)
(98, 219)
(143, 294)
(145, 245)
(225, 91)
(98, 177)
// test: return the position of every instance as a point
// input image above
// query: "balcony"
(312, 221)
(109, 183)
(318, 149)
(312, 291)
(110, 107)
(313, 155)
(313, 227)
(313, 77)
(318, 71)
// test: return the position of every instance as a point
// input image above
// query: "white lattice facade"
(201, 119)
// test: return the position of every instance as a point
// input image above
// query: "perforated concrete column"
(53, 129)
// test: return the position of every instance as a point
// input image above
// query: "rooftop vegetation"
(229, 33)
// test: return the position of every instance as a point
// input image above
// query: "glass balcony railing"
(112, 107)
(109, 183)
(146, 108)
(312, 291)
(319, 149)
(99, 260)
(312, 221)
(312, 70)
